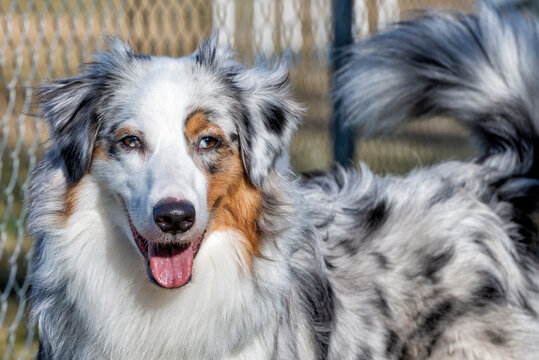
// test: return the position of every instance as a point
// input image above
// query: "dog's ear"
(265, 113)
(69, 106)
(72, 107)
(268, 118)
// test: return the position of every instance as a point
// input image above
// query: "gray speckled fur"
(435, 265)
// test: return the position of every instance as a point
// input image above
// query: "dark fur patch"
(445, 193)
(248, 131)
(246, 134)
(206, 51)
(376, 216)
(405, 353)
(440, 314)
(392, 343)
(382, 260)
(433, 263)
(313, 174)
(318, 298)
(275, 120)
(489, 291)
(381, 302)
(528, 239)
(213, 168)
(496, 337)
(43, 352)
(434, 321)
(136, 56)
(329, 264)
(76, 139)
(350, 245)
(234, 137)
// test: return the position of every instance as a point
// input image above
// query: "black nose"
(174, 217)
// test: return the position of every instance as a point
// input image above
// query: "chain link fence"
(47, 39)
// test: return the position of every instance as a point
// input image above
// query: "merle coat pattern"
(439, 264)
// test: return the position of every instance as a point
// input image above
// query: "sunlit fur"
(439, 264)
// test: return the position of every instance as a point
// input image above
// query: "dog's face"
(184, 146)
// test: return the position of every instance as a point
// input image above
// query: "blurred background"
(40, 40)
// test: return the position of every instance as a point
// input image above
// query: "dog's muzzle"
(170, 265)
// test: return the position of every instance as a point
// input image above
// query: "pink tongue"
(171, 266)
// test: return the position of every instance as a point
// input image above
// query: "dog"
(165, 227)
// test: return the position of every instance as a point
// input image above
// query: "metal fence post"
(343, 139)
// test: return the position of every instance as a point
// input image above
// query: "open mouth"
(169, 265)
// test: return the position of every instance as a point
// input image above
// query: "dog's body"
(154, 158)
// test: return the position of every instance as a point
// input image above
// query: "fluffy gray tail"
(482, 70)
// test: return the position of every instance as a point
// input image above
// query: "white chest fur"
(224, 312)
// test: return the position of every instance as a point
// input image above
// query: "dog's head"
(185, 145)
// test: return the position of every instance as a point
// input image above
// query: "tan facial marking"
(99, 152)
(195, 125)
(71, 194)
(233, 202)
(71, 198)
(125, 131)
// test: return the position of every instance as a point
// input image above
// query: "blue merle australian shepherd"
(166, 226)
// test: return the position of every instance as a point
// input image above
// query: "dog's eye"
(131, 142)
(207, 143)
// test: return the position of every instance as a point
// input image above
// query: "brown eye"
(131, 142)
(207, 143)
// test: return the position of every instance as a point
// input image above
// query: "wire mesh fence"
(47, 39)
